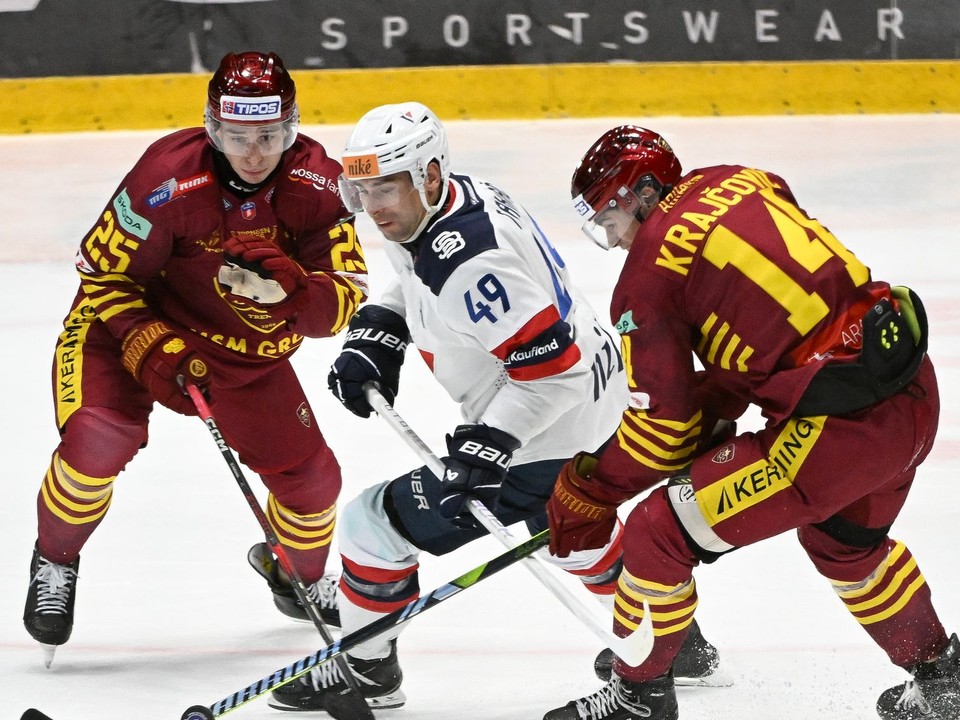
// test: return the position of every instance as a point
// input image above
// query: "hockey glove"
(581, 515)
(377, 338)
(259, 270)
(479, 457)
(163, 363)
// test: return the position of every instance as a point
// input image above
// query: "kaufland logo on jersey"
(533, 353)
(250, 109)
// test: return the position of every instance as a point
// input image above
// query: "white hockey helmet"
(390, 139)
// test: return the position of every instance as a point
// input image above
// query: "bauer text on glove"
(477, 462)
(163, 362)
(582, 515)
(373, 351)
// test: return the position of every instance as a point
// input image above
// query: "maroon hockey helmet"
(252, 89)
(618, 166)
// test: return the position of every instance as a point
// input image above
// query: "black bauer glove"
(478, 460)
(373, 351)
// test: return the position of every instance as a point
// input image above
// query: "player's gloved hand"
(373, 351)
(259, 270)
(581, 514)
(163, 363)
(478, 459)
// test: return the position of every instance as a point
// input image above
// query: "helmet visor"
(244, 138)
(389, 193)
(615, 222)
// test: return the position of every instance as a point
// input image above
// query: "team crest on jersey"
(447, 243)
(248, 211)
(303, 414)
(723, 455)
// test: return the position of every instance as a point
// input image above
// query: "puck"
(197, 712)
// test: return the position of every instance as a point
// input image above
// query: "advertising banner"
(109, 37)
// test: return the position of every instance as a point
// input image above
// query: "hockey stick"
(362, 710)
(633, 649)
(367, 632)
(34, 714)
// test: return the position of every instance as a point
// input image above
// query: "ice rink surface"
(168, 612)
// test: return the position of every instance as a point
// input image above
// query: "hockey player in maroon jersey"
(724, 267)
(220, 251)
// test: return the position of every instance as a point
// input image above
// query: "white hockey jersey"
(489, 306)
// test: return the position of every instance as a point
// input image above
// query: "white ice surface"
(168, 612)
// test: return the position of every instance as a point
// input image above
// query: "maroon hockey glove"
(581, 515)
(163, 363)
(268, 262)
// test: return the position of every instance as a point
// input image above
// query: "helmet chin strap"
(431, 210)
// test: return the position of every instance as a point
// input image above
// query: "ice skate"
(933, 693)
(622, 699)
(696, 665)
(324, 687)
(48, 614)
(323, 592)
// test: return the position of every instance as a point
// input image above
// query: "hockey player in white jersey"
(488, 303)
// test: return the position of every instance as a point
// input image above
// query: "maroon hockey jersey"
(156, 250)
(727, 270)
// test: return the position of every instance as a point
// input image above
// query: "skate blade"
(714, 680)
(381, 702)
(48, 652)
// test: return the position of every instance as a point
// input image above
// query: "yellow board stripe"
(139, 102)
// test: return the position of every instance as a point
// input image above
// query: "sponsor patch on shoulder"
(625, 324)
(132, 222)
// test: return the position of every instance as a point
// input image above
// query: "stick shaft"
(633, 649)
(274, 542)
(379, 626)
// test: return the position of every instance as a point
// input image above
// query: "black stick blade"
(34, 714)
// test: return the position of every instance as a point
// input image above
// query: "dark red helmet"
(252, 88)
(626, 156)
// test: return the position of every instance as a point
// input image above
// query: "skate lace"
(328, 675)
(606, 700)
(324, 592)
(912, 697)
(53, 586)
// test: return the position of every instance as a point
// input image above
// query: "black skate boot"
(48, 613)
(621, 699)
(932, 694)
(323, 592)
(324, 687)
(697, 664)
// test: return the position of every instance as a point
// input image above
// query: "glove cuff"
(381, 327)
(141, 341)
(485, 434)
(582, 495)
